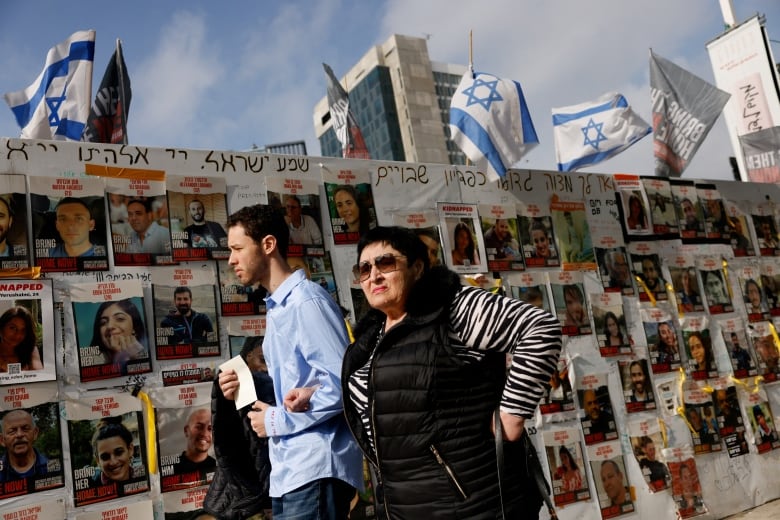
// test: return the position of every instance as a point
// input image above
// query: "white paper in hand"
(246, 384)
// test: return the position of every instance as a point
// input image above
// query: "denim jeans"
(323, 499)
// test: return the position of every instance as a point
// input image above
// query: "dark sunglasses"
(386, 263)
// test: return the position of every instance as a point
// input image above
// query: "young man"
(202, 232)
(315, 463)
(188, 325)
(147, 236)
(74, 223)
(197, 433)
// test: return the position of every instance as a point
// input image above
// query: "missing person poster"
(531, 287)
(700, 362)
(610, 322)
(660, 325)
(185, 311)
(14, 243)
(701, 420)
(741, 355)
(637, 387)
(138, 215)
(464, 247)
(730, 422)
(498, 225)
(682, 270)
(184, 436)
(300, 200)
(27, 340)
(573, 234)
(197, 208)
(647, 443)
(31, 448)
(662, 214)
(762, 422)
(646, 266)
(566, 462)
(714, 280)
(597, 416)
(111, 329)
(686, 487)
(107, 445)
(350, 204)
(571, 306)
(68, 223)
(612, 486)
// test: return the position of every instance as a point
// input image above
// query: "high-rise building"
(401, 100)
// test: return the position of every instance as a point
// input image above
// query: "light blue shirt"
(157, 240)
(304, 346)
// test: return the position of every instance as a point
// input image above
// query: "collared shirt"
(304, 345)
(307, 233)
(157, 240)
(40, 468)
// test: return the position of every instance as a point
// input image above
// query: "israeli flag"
(56, 105)
(490, 122)
(592, 132)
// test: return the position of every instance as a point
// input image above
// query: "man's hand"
(512, 426)
(257, 418)
(297, 399)
(228, 383)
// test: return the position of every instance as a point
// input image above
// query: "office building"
(401, 101)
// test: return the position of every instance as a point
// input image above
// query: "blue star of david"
(599, 134)
(54, 104)
(486, 101)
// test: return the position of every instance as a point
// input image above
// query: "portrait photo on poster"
(108, 457)
(112, 338)
(30, 450)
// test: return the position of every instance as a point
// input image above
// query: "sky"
(227, 75)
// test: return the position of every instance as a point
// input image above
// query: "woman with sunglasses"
(424, 379)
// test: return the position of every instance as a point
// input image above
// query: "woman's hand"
(512, 426)
(297, 399)
(228, 383)
(125, 346)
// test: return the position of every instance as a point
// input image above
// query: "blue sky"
(225, 75)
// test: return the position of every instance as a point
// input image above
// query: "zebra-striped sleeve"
(484, 321)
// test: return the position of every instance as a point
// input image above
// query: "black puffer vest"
(430, 414)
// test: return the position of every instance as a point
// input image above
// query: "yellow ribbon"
(151, 430)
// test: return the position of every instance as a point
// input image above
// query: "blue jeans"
(323, 499)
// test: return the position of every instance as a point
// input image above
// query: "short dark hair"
(262, 220)
(73, 200)
(403, 240)
(182, 289)
(147, 203)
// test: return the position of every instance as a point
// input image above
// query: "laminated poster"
(566, 461)
(688, 208)
(185, 311)
(537, 236)
(612, 486)
(647, 443)
(197, 209)
(716, 285)
(701, 420)
(574, 238)
(646, 265)
(686, 285)
(531, 287)
(730, 422)
(571, 307)
(766, 348)
(615, 270)
(662, 214)
(660, 325)
(762, 422)
(464, 247)
(140, 228)
(753, 293)
(610, 322)
(107, 447)
(44, 509)
(246, 335)
(498, 225)
(686, 487)
(300, 200)
(27, 331)
(111, 329)
(638, 394)
(69, 223)
(598, 419)
(741, 355)
(350, 204)
(131, 511)
(700, 362)
(716, 225)
(634, 205)
(184, 436)
(31, 452)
